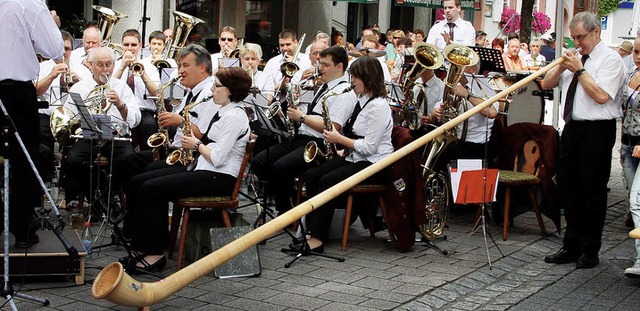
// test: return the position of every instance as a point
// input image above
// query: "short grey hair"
(202, 55)
(589, 20)
(251, 48)
(93, 51)
(322, 35)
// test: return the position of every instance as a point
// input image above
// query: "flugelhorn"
(116, 286)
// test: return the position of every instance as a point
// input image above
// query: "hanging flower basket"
(510, 20)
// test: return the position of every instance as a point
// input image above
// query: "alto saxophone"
(311, 150)
(160, 141)
(184, 155)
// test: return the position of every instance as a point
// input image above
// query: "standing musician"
(29, 30)
(143, 81)
(280, 164)
(123, 111)
(590, 83)
(250, 57)
(91, 38)
(288, 43)
(52, 85)
(453, 29)
(228, 40)
(221, 151)
(157, 45)
(194, 70)
(367, 138)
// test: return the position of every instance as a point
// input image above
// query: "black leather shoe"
(26, 243)
(152, 267)
(562, 256)
(587, 261)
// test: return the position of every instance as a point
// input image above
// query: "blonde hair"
(251, 48)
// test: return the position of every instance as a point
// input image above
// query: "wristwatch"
(122, 107)
(302, 118)
(197, 145)
(579, 72)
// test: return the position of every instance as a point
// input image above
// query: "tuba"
(311, 150)
(160, 141)
(427, 57)
(107, 18)
(183, 155)
(437, 186)
(182, 26)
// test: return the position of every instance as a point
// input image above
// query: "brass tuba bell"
(427, 56)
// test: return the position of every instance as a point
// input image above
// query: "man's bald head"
(91, 38)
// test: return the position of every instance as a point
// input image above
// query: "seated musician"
(250, 56)
(91, 38)
(195, 74)
(366, 140)
(123, 111)
(142, 84)
(428, 92)
(475, 88)
(157, 45)
(221, 150)
(282, 163)
(228, 41)
(512, 59)
(53, 86)
(305, 77)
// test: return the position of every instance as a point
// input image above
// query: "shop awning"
(437, 4)
(358, 1)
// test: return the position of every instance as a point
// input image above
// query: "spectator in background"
(337, 38)
(534, 59)
(625, 50)
(365, 32)
(498, 44)
(481, 39)
(513, 61)
(391, 47)
(419, 35)
(548, 48)
(319, 36)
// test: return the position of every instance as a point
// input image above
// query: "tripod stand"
(304, 249)
(7, 289)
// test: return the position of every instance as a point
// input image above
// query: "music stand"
(395, 91)
(490, 60)
(229, 62)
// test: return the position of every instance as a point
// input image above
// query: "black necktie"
(348, 127)
(571, 93)
(189, 97)
(451, 25)
(315, 100)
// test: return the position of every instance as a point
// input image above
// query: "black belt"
(9, 82)
(630, 140)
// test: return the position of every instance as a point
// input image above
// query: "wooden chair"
(524, 174)
(379, 191)
(223, 203)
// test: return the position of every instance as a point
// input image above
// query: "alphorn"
(116, 286)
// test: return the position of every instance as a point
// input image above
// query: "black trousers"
(19, 98)
(583, 173)
(47, 159)
(325, 176)
(79, 159)
(280, 165)
(148, 125)
(155, 189)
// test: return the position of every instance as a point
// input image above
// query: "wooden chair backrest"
(527, 161)
(245, 161)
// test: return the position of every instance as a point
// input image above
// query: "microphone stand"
(7, 289)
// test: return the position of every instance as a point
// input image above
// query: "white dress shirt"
(463, 33)
(84, 87)
(229, 136)
(53, 94)
(374, 123)
(434, 92)
(28, 29)
(529, 61)
(272, 68)
(200, 115)
(264, 83)
(340, 106)
(385, 68)
(605, 66)
(77, 56)
(140, 88)
(171, 61)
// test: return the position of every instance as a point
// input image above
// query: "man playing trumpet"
(142, 78)
(227, 39)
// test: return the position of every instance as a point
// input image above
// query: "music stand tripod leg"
(304, 251)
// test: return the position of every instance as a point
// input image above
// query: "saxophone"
(183, 155)
(311, 150)
(160, 140)
(437, 187)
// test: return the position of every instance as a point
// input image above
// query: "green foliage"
(608, 6)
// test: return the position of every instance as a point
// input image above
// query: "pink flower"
(510, 20)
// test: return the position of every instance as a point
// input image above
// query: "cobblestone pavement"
(376, 277)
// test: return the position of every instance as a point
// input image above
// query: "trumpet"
(310, 83)
(137, 69)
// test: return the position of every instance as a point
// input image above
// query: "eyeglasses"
(581, 37)
(103, 64)
(397, 37)
(226, 39)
